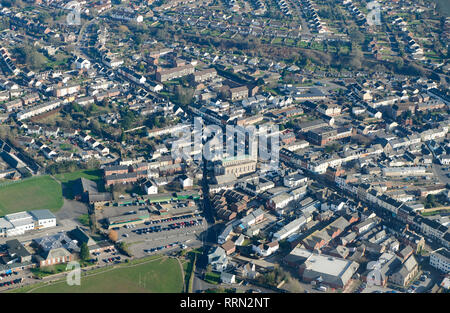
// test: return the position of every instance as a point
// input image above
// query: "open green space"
(84, 219)
(152, 275)
(212, 278)
(34, 193)
(55, 269)
(436, 212)
(95, 175)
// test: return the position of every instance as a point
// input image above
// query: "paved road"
(24, 274)
(71, 210)
(200, 285)
(377, 289)
(296, 6)
(440, 173)
(139, 249)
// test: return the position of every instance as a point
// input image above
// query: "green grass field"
(95, 175)
(35, 193)
(155, 276)
(212, 278)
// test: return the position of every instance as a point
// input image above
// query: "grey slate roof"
(42, 214)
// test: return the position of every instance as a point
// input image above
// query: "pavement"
(140, 244)
(26, 280)
(143, 249)
(71, 209)
(199, 285)
(109, 257)
(440, 172)
(378, 289)
(424, 286)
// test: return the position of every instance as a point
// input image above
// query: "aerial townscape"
(224, 146)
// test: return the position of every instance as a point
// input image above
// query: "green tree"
(332, 148)
(96, 127)
(124, 249)
(84, 252)
(31, 57)
(356, 35)
(7, 3)
(128, 120)
(44, 17)
(430, 201)
(356, 58)
(260, 81)
(184, 95)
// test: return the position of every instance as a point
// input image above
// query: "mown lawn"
(157, 276)
(34, 193)
(212, 278)
(95, 175)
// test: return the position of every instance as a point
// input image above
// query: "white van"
(323, 288)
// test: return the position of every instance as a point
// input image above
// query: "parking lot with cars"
(10, 280)
(15, 279)
(172, 226)
(159, 236)
(163, 248)
(421, 284)
(109, 256)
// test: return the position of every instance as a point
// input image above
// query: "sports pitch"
(35, 193)
(154, 275)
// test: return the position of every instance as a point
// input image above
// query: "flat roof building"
(332, 271)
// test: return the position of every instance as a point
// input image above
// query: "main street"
(441, 173)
